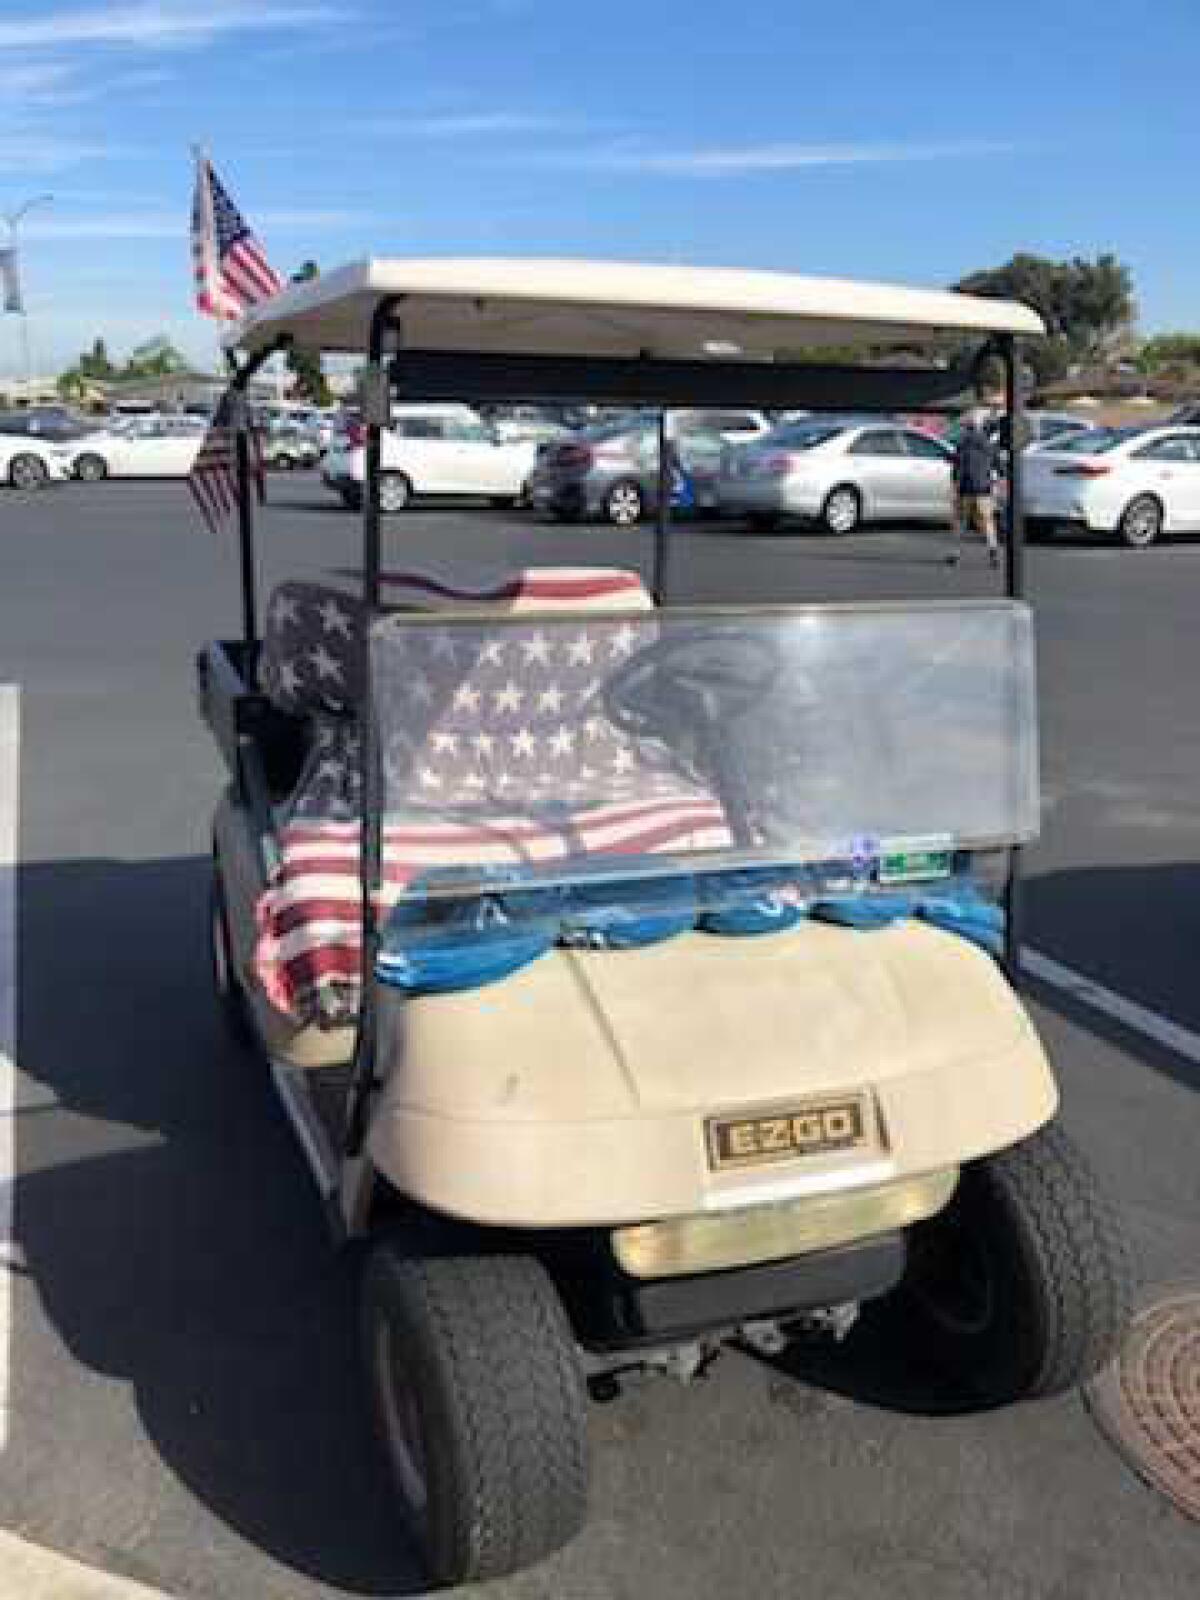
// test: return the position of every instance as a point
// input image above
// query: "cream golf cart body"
(601, 1095)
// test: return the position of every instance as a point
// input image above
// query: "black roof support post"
(376, 414)
(237, 418)
(662, 513)
(1015, 584)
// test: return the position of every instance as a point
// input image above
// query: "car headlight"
(685, 1245)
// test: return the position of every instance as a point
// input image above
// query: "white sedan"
(1131, 483)
(32, 463)
(432, 450)
(162, 448)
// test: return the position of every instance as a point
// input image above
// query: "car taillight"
(1083, 469)
(355, 435)
(776, 466)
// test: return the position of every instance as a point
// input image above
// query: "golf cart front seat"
(311, 666)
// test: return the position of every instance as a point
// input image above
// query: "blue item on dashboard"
(744, 904)
(647, 913)
(443, 946)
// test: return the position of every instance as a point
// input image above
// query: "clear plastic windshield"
(569, 749)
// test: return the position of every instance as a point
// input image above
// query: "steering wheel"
(688, 690)
(708, 678)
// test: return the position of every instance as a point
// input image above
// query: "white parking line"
(1139, 1019)
(10, 735)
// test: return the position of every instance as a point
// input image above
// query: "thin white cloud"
(40, 86)
(163, 23)
(745, 160)
(467, 124)
(174, 224)
(27, 152)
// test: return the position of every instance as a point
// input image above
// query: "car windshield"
(1095, 442)
(620, 427)
(565, 748)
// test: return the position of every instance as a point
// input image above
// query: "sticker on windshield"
(916, 860)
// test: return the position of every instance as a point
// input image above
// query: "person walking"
(974, 488)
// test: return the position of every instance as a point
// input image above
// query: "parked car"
(57, 424)
(1131, 483)
(162, 447)
(31, 463)
(287, 449)
(517, 424)
(611, 471)
(735, 427)
(432, 450)
(840, 473)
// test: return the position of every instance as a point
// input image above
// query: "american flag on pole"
(231, 269)
(213, 478)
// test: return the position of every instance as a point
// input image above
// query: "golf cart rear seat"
(311, 667)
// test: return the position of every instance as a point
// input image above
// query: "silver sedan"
(840, 473)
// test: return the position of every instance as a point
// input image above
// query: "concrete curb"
(27, 1572)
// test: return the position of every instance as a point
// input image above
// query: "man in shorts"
(974, 488)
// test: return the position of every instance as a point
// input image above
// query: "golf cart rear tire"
(1052, 1257)
(832, 520)
(91, 468)
(495, 1390)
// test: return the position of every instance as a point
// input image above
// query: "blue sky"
(875, 138)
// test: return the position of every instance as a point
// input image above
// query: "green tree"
(305, 365)
(95, 362)
(1170, 350)
(156, 358)
(1087, 306)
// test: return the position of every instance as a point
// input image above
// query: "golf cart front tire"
(1022, 1288)
(481, 1355)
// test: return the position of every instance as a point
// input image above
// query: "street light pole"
(14, 219)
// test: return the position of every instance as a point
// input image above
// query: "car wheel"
(351, 498)
(91, 468)
(285, 463)
(231, 997)
(479, 1402)
(395, 492)
(624, 504)
(1023, 1286)
(27, 472)
(842, 510)
(1141, 522)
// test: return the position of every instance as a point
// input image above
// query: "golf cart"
(627, 971)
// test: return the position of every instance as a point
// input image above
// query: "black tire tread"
(494, 1340)
(1081, 1252)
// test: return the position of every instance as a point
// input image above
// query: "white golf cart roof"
(596, 308)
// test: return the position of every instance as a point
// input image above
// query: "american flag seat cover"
(492, 751)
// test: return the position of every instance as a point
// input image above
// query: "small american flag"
(231, 268)
(213, 478)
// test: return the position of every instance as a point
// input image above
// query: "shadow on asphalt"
(192, 1264)
(1134, 930)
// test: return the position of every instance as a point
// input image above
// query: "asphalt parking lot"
(183, 1400)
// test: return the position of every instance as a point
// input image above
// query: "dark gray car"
(611, 471)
